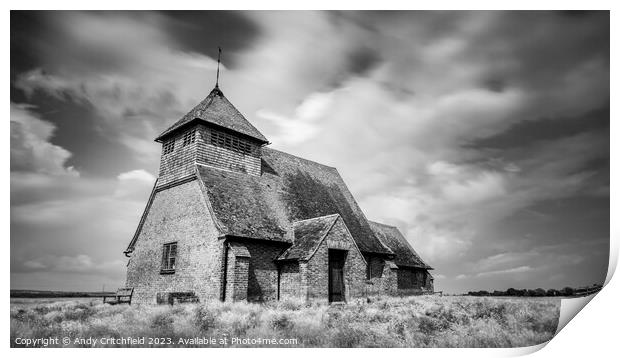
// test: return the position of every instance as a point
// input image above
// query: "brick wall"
(429, 282)
(236, 277)
(262, 277)
(412, 278)
(376, 265)
(230, 276)
(354, 267)
(406, 278)
(383, 280)
(291, 285)
(179, 214)
(389, 284)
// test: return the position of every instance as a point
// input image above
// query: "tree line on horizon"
(539, 292)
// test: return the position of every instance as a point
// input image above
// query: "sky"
(483, 136)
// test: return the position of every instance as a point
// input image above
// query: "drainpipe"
(224, 271)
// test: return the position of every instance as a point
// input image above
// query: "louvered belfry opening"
(215, 134)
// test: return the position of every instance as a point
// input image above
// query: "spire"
(217, 79)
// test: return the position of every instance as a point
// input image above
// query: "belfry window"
(189, 137)
(169, 258)
(169, 146)
(230, 142)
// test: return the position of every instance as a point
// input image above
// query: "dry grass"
(427, 321)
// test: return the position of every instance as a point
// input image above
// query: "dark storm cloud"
(362, 60)
(53, 43)
(483, 135)
(205, 31)
(28, 30)
(41, 41)
(526, 132)
(79, 132)
(48, 40)
(548, 46)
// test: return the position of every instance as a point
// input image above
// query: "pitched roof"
(307, 235)
(216, 109)
(290, 189)
(394, 239)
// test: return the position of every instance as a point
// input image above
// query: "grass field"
(421, 321)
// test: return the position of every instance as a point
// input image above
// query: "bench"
(123, 295)
(173, 298)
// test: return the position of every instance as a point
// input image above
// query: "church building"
(231, 219)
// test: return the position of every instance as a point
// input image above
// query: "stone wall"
(177, 214)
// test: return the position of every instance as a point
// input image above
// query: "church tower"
(216, 227)
(215, 134)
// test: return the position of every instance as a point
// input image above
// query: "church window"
(189, 137)
(169, 146)
(169, 258)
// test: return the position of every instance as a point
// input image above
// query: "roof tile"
(216, 109)
(394, 239)
(290, 189)
(308, 234)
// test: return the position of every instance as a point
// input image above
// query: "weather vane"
(217, 79)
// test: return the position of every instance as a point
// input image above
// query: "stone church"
(231, 219)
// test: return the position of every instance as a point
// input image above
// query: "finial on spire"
(217, 79)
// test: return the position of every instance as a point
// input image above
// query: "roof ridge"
(316, 217)
(212, 95)
(401, 238)
(383, 224)
(241, 114)
(327, 231)
(298, 157)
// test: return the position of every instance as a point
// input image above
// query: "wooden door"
(336, 275)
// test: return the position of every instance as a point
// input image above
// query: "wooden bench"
(173, 298)
(123, 295)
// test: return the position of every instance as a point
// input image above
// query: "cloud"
(505, 259)
(303, 125)
(137, 174)
(520, 269)
(68, 217)
(404, 104)
(62, 263)
(134, 185)
(90, 200)
(135, 84)
(31, 149)
(407, 154)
